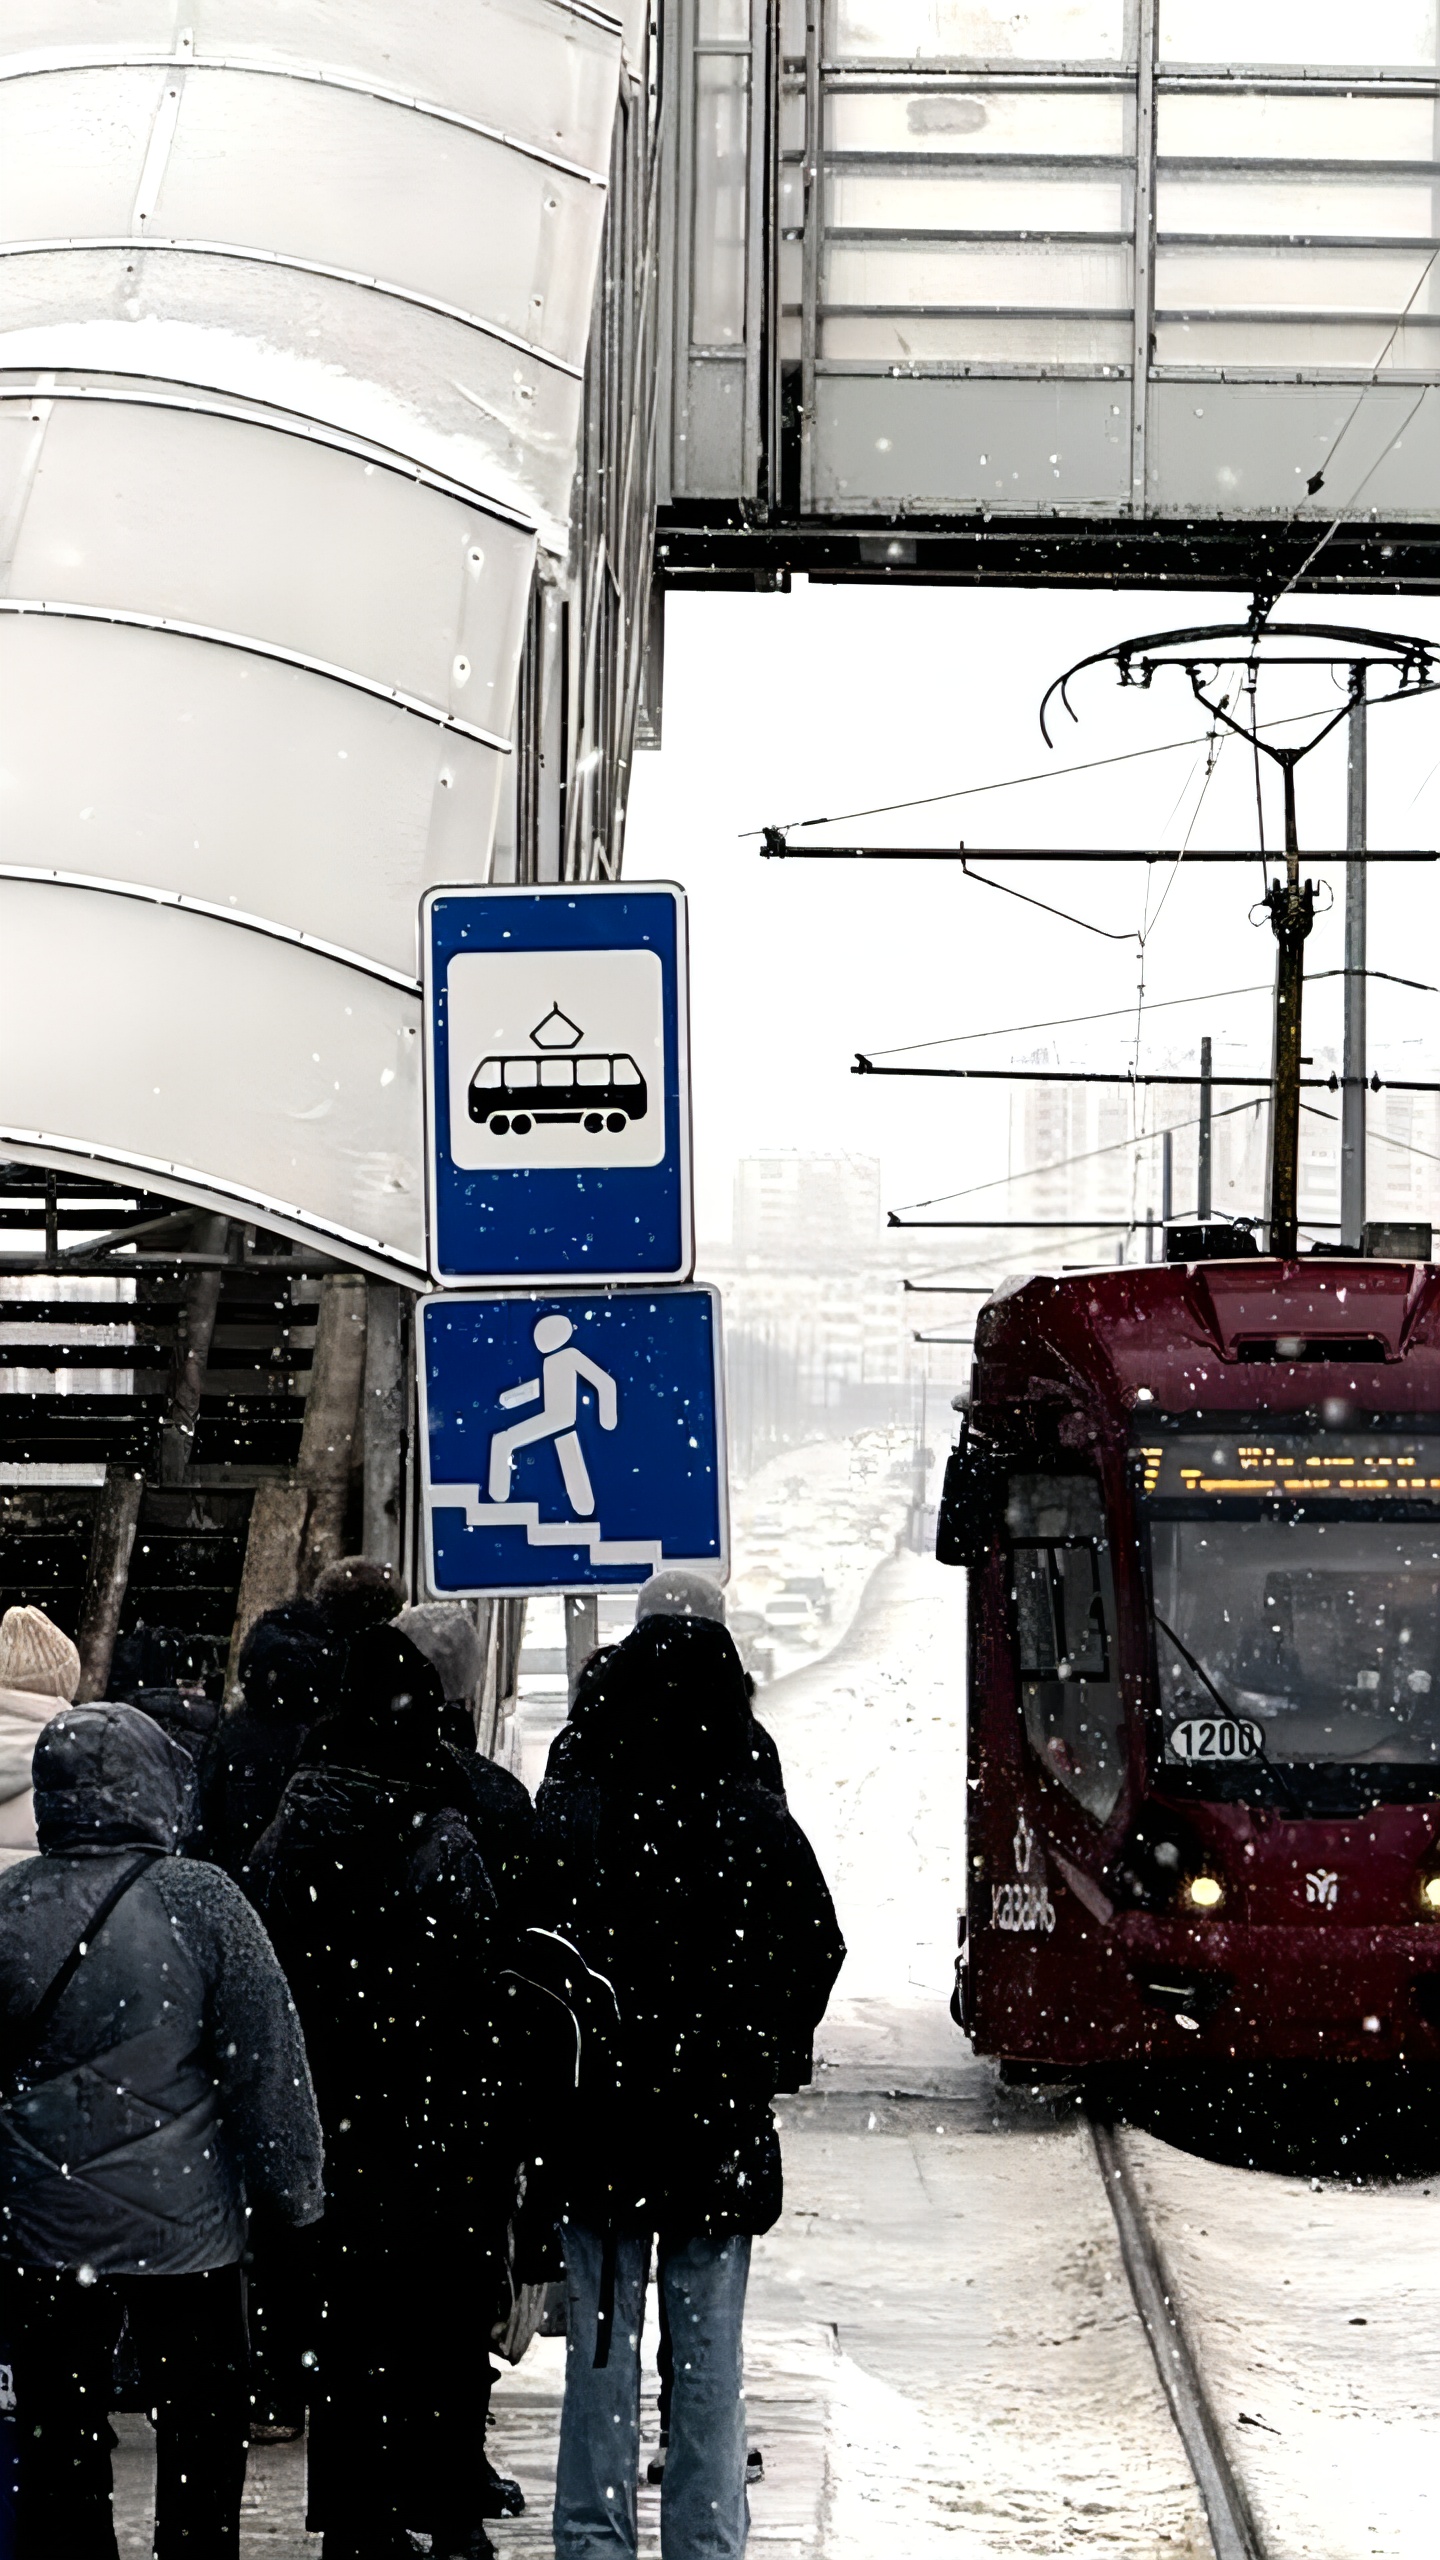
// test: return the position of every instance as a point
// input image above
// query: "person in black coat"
(499, 1809)
(376, 1894)
(686, 1883)
(289, 1680)
(163, 2102)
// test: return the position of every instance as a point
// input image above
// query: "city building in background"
(819, 1328)
(1096, 1154)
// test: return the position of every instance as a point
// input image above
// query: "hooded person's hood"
(107, 1778)
(668, 1707)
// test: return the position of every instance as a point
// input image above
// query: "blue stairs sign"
(571, 1441)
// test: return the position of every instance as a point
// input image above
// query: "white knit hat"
(37, 1656)
(674, 1593)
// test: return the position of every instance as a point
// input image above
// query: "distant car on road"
(792, 1615)
(814, 1588)
(752, 1643)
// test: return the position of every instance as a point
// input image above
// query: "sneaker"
(499, 2496)
(754, 2466)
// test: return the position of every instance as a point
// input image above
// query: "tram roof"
(1250, 1334)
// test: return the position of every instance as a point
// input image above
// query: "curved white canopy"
(294, 309)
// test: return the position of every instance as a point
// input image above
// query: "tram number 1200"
(1232, 1738)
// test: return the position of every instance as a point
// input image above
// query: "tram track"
(1232, 2527)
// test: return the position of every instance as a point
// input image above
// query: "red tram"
(1200, 1504)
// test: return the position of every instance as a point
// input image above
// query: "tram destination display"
(1330, 1466)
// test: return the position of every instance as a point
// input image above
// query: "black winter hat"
(290, 1667)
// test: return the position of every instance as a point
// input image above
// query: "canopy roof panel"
(228, 1066)
(540, 72)
(295, 307)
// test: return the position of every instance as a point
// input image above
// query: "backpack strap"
(25, 2033)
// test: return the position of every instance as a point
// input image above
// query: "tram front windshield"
(1296, 1589)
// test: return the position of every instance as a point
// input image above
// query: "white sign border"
(513, 1283)
(714, 1568)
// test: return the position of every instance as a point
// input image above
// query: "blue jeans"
(703, 2511)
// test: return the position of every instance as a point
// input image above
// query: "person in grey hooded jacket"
(165, 2098)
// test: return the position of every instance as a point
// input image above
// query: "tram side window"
(1062, 1590)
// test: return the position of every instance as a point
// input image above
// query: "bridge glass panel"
(1107, 260)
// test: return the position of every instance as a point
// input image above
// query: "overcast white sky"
(833, 698)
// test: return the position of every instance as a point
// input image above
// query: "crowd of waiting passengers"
(323, 2052)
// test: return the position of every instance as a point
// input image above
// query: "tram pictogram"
(515, 1095)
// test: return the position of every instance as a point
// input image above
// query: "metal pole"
(1143, 318)
(582, 1634)
(1167, 1176)
(1203, 1148)
(1292, 912)
(1352, 1107)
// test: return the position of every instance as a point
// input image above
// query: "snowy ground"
(829, 1512)
(872, 1742)
(1314, 2308)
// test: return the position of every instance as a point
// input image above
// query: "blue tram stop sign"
(557, 1084)
(571, 1442)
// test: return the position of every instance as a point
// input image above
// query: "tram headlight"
(1430, 1892)
(1205, 1893)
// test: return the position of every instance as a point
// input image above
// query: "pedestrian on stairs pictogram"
(561, 1371)
(617, 1468)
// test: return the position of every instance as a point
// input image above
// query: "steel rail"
(1227, 2509)
(42, 609)
(777, 848)
(874, 156)
(1286, 81)
(108, 243)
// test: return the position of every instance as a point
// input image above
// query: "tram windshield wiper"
(1197, 1667)
(1281, 1782)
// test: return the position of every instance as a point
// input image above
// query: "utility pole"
(1167, 1177)
(582, 1635)
(1352, 1105)
(1203, 1177)
(1292, 912)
